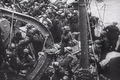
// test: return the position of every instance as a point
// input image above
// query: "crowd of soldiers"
(54, 16)
(18, 53)
(62, 20)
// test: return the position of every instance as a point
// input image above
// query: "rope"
(11, 29)
(92, 41)
(45, 42)
(89, 23)
(104, 6)
(89, 29)
(98, 10)
(89, 8)
(104, 12)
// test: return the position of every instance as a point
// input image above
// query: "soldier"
(65, 38)
(111, 65)
(65, 78)
(11, 56)
(26, 60)
(112, 35)
(17, 38)
(59, 71)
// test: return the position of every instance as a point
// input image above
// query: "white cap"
(41, 53)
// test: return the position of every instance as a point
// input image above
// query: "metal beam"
(83, 34)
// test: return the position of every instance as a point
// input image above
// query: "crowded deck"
(40, 40)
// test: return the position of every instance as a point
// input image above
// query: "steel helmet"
(12, 45)
(65, 77)
(55, 64)
(26, 50)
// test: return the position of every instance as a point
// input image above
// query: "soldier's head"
(65, 78)
(69, 57)
(45, 16)
(18, 34)
(55, 64)
(66, 29)
(89, 14)
(41, 53)
(69, 15)
(29, 26)
(36, 3)
(36, 31)
(115, 23)
(26, 51)
(30, 33)
(11, 46)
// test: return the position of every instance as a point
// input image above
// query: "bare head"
(115, 23)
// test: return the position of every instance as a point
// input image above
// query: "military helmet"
(26, 50)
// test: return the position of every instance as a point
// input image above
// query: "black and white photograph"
(59, 39)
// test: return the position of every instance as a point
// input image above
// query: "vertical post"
(83, 34)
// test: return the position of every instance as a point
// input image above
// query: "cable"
(98, 10)
(104, 12)
(89, 25)
(92, 41)
(46, 37)
(11, 29)
(89, 5)
(104, 6)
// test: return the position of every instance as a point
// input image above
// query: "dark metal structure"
(83, 34)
